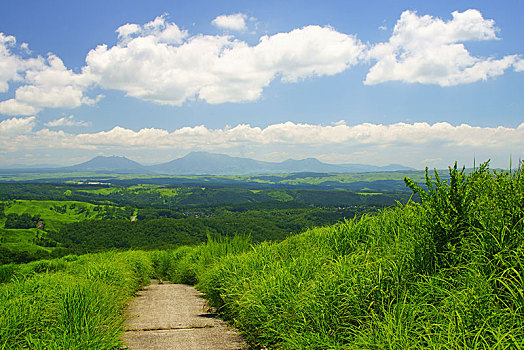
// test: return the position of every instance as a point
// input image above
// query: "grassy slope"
(69, 303)
(445, 274)
(47, 210)
(21, 240)
(68, 212)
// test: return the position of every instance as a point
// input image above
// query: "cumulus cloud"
(12, 64)
(428, 50)
(519, 65)
(9, 64)
(14, 107)
(47, 84)
(162, 63)
(415, 144)
(8, 127)
(218, 69)
(288, 133)
(159, 28)
(67, 121)
(236, 22)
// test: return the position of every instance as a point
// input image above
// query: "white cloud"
(47, 84)
(416, 144)
(519, 64)
(14, 107)
(25, 48)
(67, 121)
(219, 69)
(128, 31)
(9, 64)
(428, 50)
(161, 63)
(12, 65)
(16, 126)
(162, 31)
(235, 22)
(284, 134)
(118, 136)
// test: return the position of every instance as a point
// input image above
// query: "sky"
(418, 83)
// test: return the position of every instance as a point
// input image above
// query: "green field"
(53, 215)
(445, 273)
(154, 216)
(21, 239)
(56, 213)
(389, 181)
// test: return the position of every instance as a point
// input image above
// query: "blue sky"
(420, 83)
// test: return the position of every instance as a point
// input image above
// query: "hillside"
(442, 274)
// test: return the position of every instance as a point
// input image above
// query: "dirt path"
(174, 316)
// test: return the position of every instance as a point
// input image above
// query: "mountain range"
(204, 163)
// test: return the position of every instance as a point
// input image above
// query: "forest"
(46, 220)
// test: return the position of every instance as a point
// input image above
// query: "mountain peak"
(109, 163)
(108, 158)
(302, 161)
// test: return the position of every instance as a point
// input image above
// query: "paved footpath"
(174, 316)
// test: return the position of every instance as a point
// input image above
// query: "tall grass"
(443, 274)
(186, 263)
(69, 303)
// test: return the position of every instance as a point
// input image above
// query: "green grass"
(134, 189)
(444, 274)
(55, 213)
(21, 239)
(447, 273)
(102, 191)
(187, 263)
(279, 195)
(69, 303)
(77, 302)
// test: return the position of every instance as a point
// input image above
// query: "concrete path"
(174, 316)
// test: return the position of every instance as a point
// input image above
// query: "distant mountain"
(395, 167)
(305, 165)
(111, 164)
(365, 168)
(204, 163)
